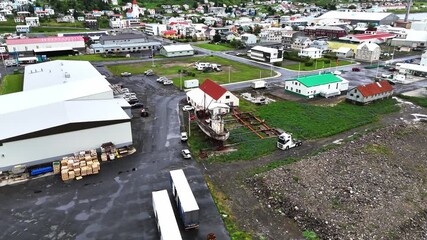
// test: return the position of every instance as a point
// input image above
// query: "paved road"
(115, 204)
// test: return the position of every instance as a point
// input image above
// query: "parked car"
(337, 72)
(186, 153)
(187, 108)
(184, 136)
(161, 79)
(149, 72)
(355, 69)
(392, 69)
(144, 112)
(167, 82)
(137, 105)
(126, 74)
(384, 75)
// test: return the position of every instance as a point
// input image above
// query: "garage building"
(177, 50)
(326, 85)
(57, 115)
(31, 44)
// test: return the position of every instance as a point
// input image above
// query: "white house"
(368, 52)
(177, 50)
(325, 85)
(210, 92)
(266, 54)
(301, 42)
(310, 52)
(368, 93)
(155, 29)
(320, 44)
(344, 52)
(248, 38)
(32, 21)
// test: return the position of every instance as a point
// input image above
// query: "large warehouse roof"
(59, 72)
(32, 120)
(84, 90)
(367, 16)
(43, 40)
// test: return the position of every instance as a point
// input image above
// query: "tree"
(295, 28)
(352, 7)
(195, 5)
(216, 37)
(237, 44)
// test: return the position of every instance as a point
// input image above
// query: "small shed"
(177, 50)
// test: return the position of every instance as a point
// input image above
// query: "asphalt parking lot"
(115, 204)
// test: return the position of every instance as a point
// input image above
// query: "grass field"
(91, 58)
(319, 65)
(304, 121)
(215, 47)
(238, 71)
(12, 83)
(420, 101)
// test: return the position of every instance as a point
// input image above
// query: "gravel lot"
(374, 187)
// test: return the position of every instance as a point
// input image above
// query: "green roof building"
(326, 85)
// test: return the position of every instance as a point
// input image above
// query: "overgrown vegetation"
(12, 83)
(216, 47)
(306, 121)
(310, 235)
(420, 101)
(221, 203)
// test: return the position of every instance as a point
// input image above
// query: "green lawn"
(420, 101)
(12, 83)
(215, 47)
(91, 58)
(307, 121)
(169, 67)
(319, 65)
(304, 121)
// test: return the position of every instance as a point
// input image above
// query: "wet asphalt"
(116, 203)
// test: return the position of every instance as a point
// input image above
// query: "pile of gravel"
(371, 188)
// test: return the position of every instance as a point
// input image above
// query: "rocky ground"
(374, 187)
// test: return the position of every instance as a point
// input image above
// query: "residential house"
(310, 52)
(344, 52)
(330, 32)
(91, 24)
(375, 37)
(32, 21)
(248, 39)
(326, 85)
(368, 93)
(80, 18)
(3, 18)
(177, 50)
(65, 19)
(368, 52)
(301, 42)
(210, 92)
(227, 36)
(320, 44)
(288, 37)
(266, 54)
(272, 35)
(170, 34)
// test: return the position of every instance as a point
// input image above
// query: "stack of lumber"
(83, 163)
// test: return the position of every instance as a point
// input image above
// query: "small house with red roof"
(368, 93)
(211, 92)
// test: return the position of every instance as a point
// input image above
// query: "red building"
(325, 31)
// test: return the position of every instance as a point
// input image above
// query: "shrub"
(308, 64)
(278, 64)
(327, 61)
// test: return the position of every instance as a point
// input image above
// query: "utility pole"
(180, 80)
(189, 125)
(229, 74)
(408, 10)
(271, 70)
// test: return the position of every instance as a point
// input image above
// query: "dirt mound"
(371, 188)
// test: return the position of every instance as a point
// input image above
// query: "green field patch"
(215, 47)
(170, 67)
(318, 65)
(12, 83)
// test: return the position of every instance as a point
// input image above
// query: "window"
(97, 51)
(357, 96)
(227, 97)
(351, 94)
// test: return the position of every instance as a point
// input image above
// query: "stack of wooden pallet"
(81, 164)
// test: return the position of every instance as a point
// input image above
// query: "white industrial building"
(266, 54)
(155, 29)
(31, 44)
(177, 50)
(66, 106)
(326, 85)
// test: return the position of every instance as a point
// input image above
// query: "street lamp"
(229, 74)
(180, 80)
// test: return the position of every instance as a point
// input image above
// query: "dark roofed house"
(365, 94)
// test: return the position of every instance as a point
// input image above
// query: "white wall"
(232, 100)
(55, 146)
(31, 47)
(297, 87)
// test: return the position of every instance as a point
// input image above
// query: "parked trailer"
(259, 84)
(193, 83)
(165, 217)
(186, 203)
